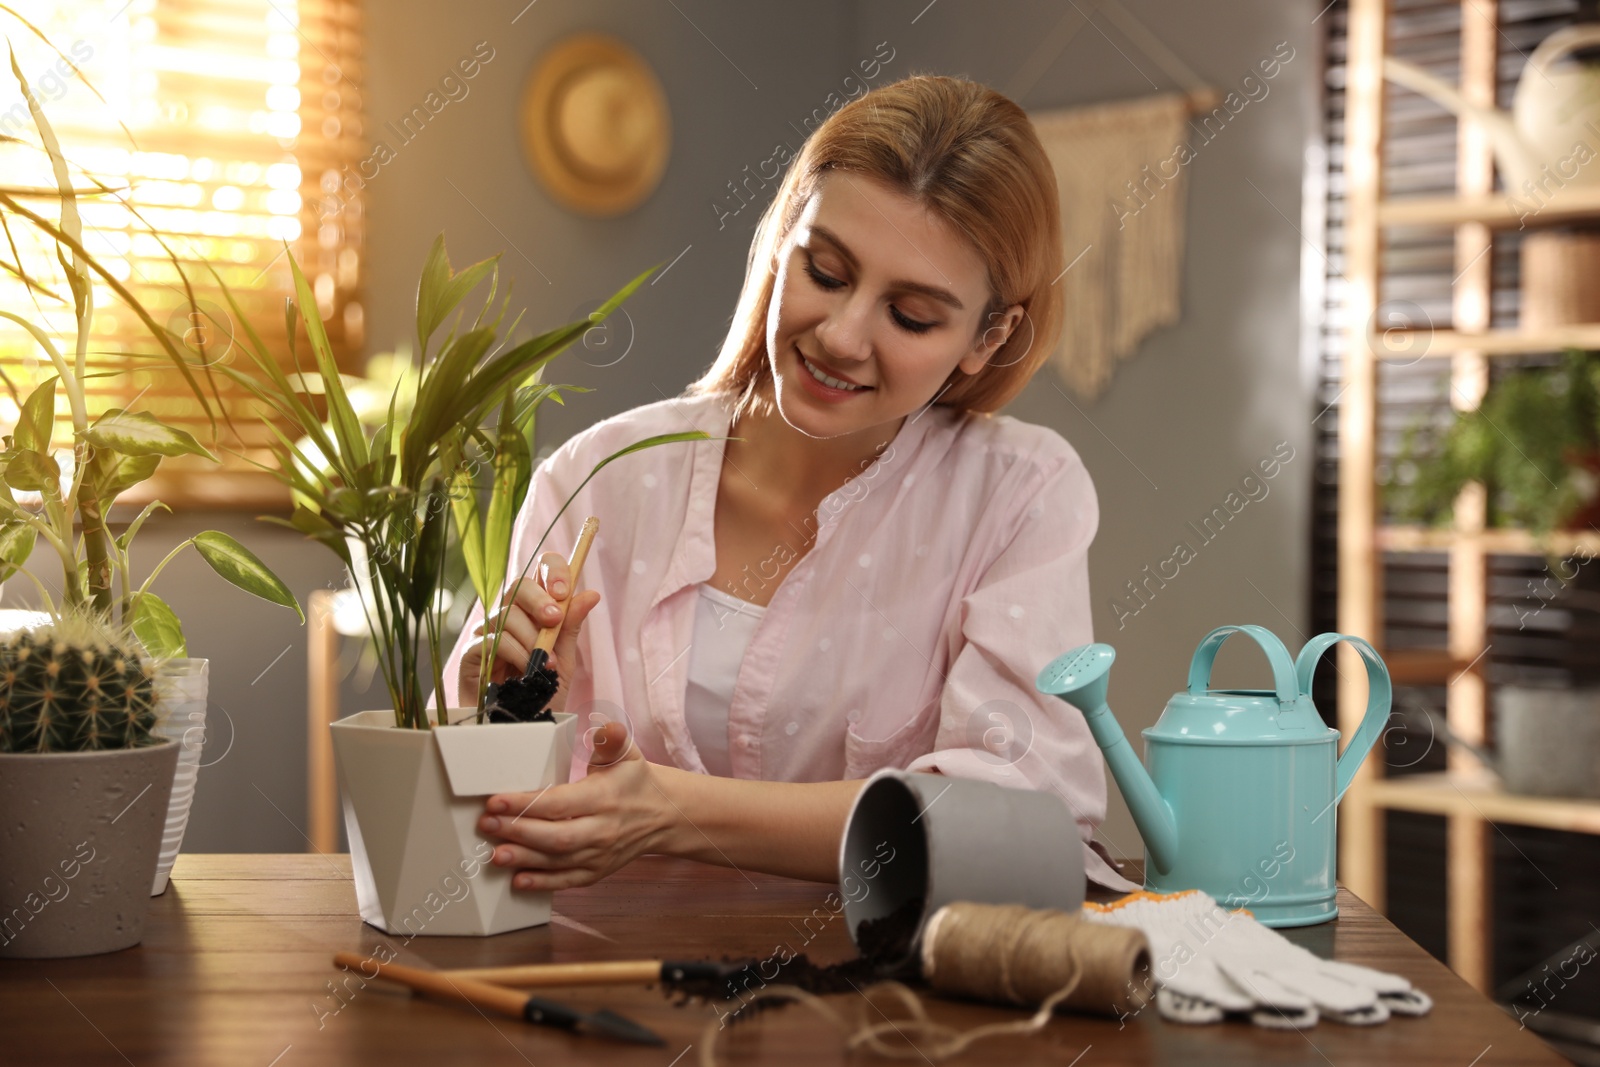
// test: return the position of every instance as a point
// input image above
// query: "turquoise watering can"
(1240, 796)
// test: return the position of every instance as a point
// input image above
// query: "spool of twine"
(1006, 954)
(1017, 955)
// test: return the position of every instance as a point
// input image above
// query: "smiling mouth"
(829, 380)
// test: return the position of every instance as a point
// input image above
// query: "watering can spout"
(1080, 677)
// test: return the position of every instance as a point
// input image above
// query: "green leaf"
(16, 545)
(157, 627)
(346, 427)
(529, 398)
(427, 557)
(38, 419)
(513, 468)
(319, 529)
(381, 450)
(458, 392)
(32, 472)
(439, 289)
(297, 470)
(469, 528)
(604, 310)
(345, 504)
(651, 442)
(440, 407)
(64, 235)
(71, 221)
(637, 446)
(517, 364)
(142, 434)
(128, 535)
(271, 385)
(239, 566)
(110, 474)
(316, 525)
(435, 276)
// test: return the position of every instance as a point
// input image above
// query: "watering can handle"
(1558, 44)
(1379, 696)
(1283, 675)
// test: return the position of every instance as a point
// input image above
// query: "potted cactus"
(85, 788)
(448, 466)
(85, 777)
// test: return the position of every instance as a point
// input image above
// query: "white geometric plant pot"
(412, 800)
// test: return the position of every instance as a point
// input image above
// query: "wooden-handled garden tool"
(526, 699)
(487, 996)
(670, 973)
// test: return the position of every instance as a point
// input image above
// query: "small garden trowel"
(527, 699)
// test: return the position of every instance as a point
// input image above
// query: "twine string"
(1009, 954)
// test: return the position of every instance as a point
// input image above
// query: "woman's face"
(881, 296)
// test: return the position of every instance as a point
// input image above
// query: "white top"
(723, 626)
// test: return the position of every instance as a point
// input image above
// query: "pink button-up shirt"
(944, 576)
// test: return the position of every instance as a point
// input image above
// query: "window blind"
(222, 128)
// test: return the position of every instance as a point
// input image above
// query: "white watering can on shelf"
(1554, 121)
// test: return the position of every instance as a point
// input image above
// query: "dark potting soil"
(525, 699)
(886, 945)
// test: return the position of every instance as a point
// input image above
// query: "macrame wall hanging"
(1122, 225)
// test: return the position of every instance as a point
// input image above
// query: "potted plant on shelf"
(450, 463)
(86, 779)
(1534, 443)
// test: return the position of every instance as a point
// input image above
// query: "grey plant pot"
(939, 840)
(1549, 741)
(78, 848)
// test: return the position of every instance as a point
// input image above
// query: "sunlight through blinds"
(222, 128)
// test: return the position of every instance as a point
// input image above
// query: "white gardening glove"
(1208, 962)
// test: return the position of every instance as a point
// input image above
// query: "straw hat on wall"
(595, 125)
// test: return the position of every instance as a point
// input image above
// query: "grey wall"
(735, 77)
(1183, 421)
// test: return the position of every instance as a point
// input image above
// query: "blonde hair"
(969, 154)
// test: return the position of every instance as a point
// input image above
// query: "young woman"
(871, 570)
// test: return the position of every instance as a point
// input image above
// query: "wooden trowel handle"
(480, 994)
(541, 975)
(580, 551)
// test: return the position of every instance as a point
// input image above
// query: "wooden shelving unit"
(1495, 211)
(1498, 542)
(1469, 795)
(1466, 795)
(1447, 344)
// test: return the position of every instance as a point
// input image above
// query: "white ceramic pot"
(181, 693)
(412, 800)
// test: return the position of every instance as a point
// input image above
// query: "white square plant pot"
(412, 800)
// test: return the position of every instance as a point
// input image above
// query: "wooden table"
(235, 969)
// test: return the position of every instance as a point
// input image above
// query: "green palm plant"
(451, 462)
(1533, 442)
(111, 452)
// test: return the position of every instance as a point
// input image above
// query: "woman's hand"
(529, 607)
(573, 835)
